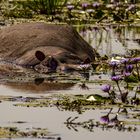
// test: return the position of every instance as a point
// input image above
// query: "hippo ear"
(40, 55)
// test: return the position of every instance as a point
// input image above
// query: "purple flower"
(70, 7)
(129, 68)
(137, 59)
(126, 74)
(113, 64)
(116, 78)
(106, 88)
(84, 5)
(124, 61)
(96, 4)
(105, 119)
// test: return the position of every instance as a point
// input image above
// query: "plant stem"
(119, 87)
(137, 70)
(110, 111)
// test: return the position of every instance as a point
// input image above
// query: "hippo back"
(19, 42)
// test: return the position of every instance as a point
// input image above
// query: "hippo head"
(63, 62)
(47, 64)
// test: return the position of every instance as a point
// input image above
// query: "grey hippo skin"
(40, 45)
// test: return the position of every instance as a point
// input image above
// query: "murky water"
(106, 40)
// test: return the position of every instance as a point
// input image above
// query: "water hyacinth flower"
(126, 74)
(135, 60)
(124, 61)
(96, 4)
(105, 119)
(129, 68)
(70, 7)
(113, 64)
(116, 78)
(84, 5)
(106, 88)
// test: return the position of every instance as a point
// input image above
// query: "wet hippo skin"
(42, 46)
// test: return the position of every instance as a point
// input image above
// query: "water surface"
(109, 40)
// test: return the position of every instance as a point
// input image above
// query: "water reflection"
(112, 39)
(38, 85)
(111, 120)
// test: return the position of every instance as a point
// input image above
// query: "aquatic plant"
(136, 61)
(106, 88)
(105, 123)
(126, 71)
(84, 6)
(70, 7)
(116, 78)
(105, 119)
(129, 68)
(84, 86)
(88, 11)
(46, 6)
(14, 132)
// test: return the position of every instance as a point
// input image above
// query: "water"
(122, 40)
(112, 39)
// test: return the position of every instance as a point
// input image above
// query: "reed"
(49, 7)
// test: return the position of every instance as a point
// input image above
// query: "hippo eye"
(40, 55)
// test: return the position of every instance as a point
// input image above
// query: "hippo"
(44, 47)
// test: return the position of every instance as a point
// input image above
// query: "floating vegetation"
(79, 103)
(90, 125)
(14, 132)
